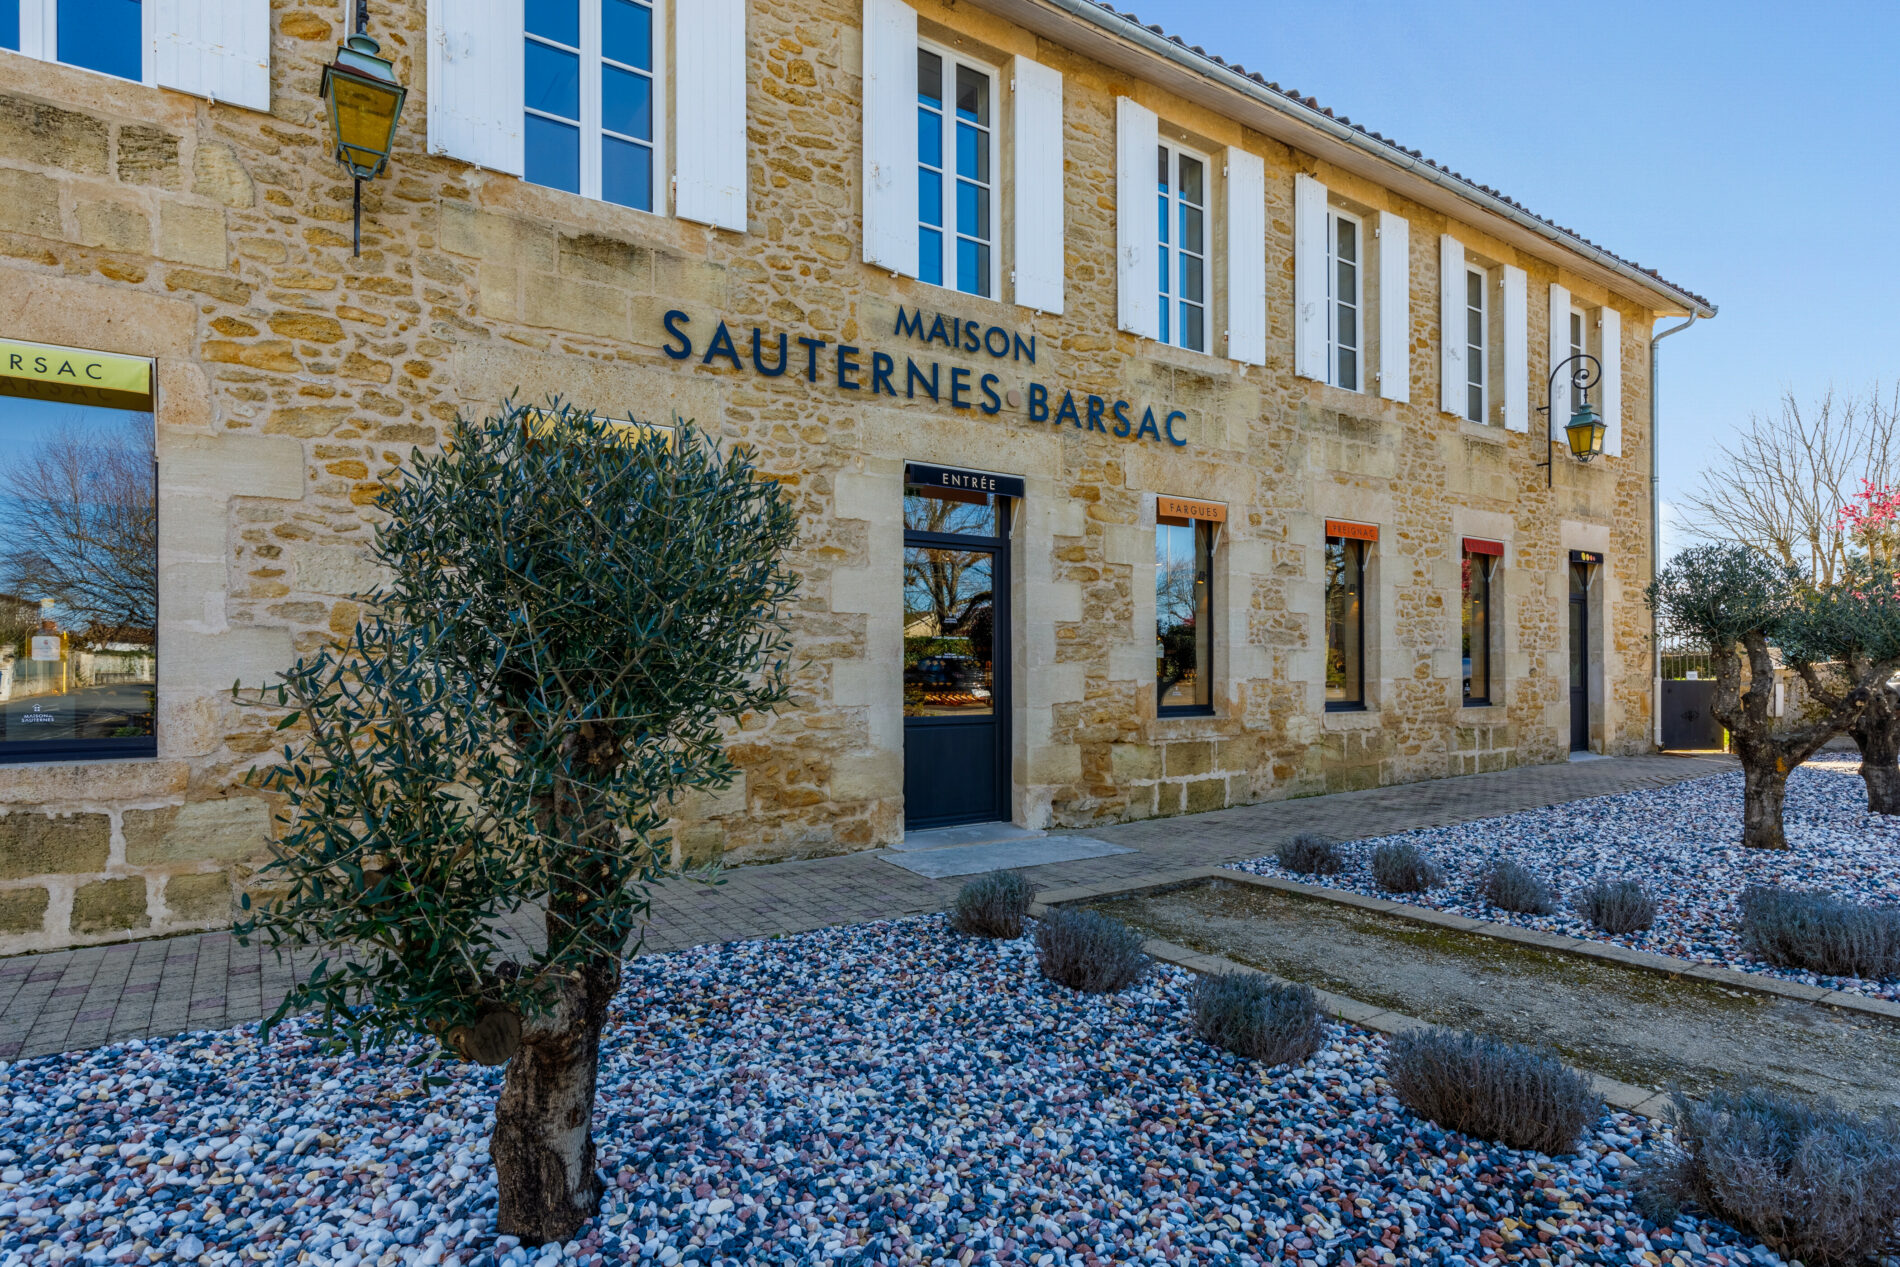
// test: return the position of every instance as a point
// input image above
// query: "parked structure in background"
(1161, 441)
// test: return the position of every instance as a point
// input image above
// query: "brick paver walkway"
(72, 999)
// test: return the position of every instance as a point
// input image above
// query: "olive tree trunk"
(1767, 753)
(543, 1146)
(1877, 733)
(1764, 795)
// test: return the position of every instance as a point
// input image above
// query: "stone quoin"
(1159, 443)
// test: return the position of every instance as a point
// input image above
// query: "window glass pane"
(956, 510)
(1345, 622)
(1166, 336)
(1348, 326)
(1348, 369)
(1474, 403)
(929, 137)
(973, 210)
(102, 35)
(1474, 289)
(1477, 628)
(626, 103)
(1164, 180)
(553, 153)
(1192, 268)
(949, 630)
(1193, 177)
(626, 33)
(558, 20)
(973, 95)
(626, 173)
(1345, 282)
(1184, 624)
(78, 576)
(973, 267)
(1193, 221)
(1167, 273)
(930, 78)
(553, 81)
(1193, 327)
(10, 24)
(930, 256)
(930, 198)
(973, 152)
(1348, 242)
(1164, 219)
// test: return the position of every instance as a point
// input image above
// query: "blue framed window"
(956, 190)
(1181, 187)
(103, 35)
(591, 120)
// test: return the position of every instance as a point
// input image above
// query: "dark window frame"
(1484, 562)
(1357, 549)
(1203, 540)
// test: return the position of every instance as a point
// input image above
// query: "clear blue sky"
(1747, 151)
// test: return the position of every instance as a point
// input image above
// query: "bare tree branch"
(1780, 485)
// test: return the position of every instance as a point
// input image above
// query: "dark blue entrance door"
(956, 658)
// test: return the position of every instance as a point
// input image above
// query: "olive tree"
(574, 611)
(1844, 640)
(1737, 602)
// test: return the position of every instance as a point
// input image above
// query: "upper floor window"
(1345, 298)
(1579, 344)
(103, 35)
(956, 190)
(1182, 184)
(592, 98)
(1477, 329)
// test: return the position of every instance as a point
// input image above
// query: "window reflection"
(1345, 623)
(1477, 627)
(1184, 624)
(949, 632)
(952, 510)
(78, 575)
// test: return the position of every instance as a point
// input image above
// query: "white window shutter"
(890, 136)
(1559, 353)
(1137, 228)
(1395, 308)
(1612, 383)
(475, 82)
(1451, 325)
(709, 123)
(1517, 349)
(213, 48)
(1246, 257)
(1311, 357)
(1039, 182)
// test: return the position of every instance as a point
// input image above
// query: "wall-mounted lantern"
(1586, 429)
(364, 101)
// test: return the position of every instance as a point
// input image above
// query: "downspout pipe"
(1655, 517)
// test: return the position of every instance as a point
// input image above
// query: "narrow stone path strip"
(60, 1001)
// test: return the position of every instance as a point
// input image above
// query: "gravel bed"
(1683, 842)
(885, 1093)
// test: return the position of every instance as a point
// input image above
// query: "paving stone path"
(71, 999)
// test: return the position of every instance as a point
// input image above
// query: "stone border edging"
(1621, 1095)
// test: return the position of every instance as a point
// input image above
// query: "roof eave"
(1087, 28)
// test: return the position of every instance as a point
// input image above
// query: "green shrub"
(1399, 867)
(1087, 951)
(1817, 932)
(1490, 1089)
(1810, 1181)
(1247, 1014)
(993, 905)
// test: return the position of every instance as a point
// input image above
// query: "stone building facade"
(293, 377)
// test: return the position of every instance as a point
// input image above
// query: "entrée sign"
(842, 367)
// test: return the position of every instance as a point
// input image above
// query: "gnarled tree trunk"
(1764, 793)
(543, 1146)
(1877, 733)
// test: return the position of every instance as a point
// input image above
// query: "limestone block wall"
(294, 378)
